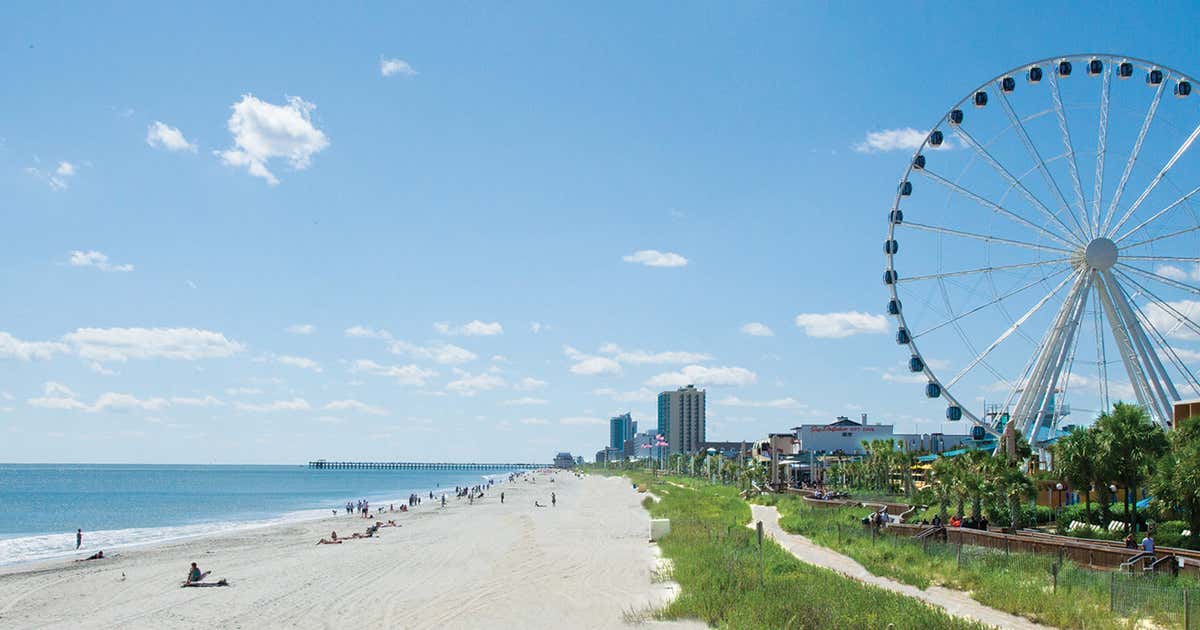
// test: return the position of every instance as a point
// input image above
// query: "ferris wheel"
(1043, 248)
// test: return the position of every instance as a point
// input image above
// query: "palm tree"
(1130, 446)
(1014, 486)
(1076, 460)
(942, 481)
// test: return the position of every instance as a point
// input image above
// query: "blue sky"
(447, 240)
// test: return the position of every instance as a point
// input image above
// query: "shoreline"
(136, 537)
(585, 563)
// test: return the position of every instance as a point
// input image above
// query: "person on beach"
(194, 574)
(99, 555)
(553, 499)
(78, 538)
(443, 500)
(501, 497)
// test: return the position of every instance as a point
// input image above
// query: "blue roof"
(989, 443)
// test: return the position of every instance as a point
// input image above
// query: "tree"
(1012, 485)
(1076, 460)
(1176, 483)
(1130, 446)
(942, 482)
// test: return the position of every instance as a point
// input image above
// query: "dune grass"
(716, 563)
(1019, 583)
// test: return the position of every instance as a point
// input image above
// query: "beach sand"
(583, 564)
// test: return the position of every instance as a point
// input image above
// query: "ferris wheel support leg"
(1038, 390)
(1120, 332)
(1160, 381)
(1062, 368)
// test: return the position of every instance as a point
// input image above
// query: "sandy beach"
(585, 563)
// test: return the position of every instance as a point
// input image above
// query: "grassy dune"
(716, 562)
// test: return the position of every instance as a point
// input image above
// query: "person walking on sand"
(553, 500)
(501, 497)
(78, 538)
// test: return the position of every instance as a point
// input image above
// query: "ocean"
(41, 505)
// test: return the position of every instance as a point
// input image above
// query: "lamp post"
(1058, 506)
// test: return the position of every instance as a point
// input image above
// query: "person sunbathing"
(99, 555)
(332, 540)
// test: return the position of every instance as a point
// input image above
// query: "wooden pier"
(322, 464)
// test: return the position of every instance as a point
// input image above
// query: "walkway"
(956, 603)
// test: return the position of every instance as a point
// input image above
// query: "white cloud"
(65, 169)
(404, 374)
(527, 400)
(355, 405)
(1167, 322)
(444, 353)
(591, 365)
(122, 344)
(778, 403)
(638, 395)
(263, 131)
(583, 420)
(97, 260)
(56, 178)
(536, 327)
(535, 421)
(300, 362)
(13, 348)
(473, 328)
(163, 136)
(59, 396)
(242, 391)
(1175, 273)
(295, 404)
(301, 329)
(655, 258)
(389, 67)
(641, 357)
(840, 325)
(529, 384)
(207, 401)
(904, 139)
(757, 329)
(468, 384)
(364, 332)
(701, 375)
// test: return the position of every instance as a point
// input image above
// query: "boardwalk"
(956, 603)
(322, 464)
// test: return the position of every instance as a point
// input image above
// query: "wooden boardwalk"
(322, 464)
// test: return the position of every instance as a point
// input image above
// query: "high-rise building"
(620, 429)
(681, 419)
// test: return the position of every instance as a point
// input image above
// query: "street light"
(1058, 506)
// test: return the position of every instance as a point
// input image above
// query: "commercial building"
(620, 430)
(681, 419)
(564, 460)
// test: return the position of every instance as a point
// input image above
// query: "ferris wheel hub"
(1101, 254)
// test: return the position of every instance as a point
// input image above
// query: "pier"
(322, 464)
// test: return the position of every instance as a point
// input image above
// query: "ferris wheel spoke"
(1051, 183)
(1015, 183)
(1011, 329)
(1101, 148)
(1163, 279)
(989, 303)
(1158, 214)
(984, 237)
(987, 203)
(1133, 156)
(1164, 236)
(1187, 144)
(967, 272)
(1072, 163)
(1160, 385)
(1163, 258)
(1162, 304)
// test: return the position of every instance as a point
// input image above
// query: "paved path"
(957, 603)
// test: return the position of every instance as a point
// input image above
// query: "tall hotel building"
(681, 419)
